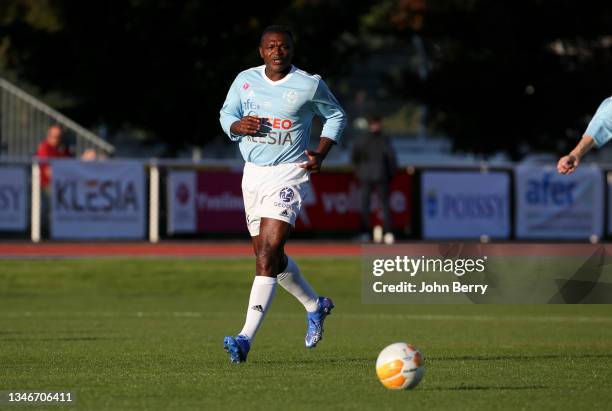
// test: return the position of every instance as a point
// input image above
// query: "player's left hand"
(314, 161)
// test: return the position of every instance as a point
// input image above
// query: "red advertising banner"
(219, 204)
(211, 202)
(334, 204)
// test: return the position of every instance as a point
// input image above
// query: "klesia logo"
(96, 195)
(182, 193)
(246, 86)
(286, 194)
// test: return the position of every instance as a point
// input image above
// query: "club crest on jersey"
(291, 96)
(286, 194)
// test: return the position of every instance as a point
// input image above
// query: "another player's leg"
(317, 308)
(384, 194)
(268, 247)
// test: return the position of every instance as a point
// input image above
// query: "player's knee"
(268, 255)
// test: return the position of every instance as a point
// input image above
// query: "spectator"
(92, 155)
(375, 166)
(51, 147)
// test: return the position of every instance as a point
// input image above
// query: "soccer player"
(268, 111)
(598, 133)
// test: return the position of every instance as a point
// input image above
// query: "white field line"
(413, 317)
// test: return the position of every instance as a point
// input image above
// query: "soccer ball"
(400, 366)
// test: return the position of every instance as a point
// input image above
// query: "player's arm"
(315, 158)
(326, 106)
(231, 116)
(597, 134)
(567, 164)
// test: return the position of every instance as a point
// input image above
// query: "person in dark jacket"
(375, 165)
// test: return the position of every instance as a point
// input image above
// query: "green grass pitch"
(147, 334)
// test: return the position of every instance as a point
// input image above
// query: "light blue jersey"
(600, 127)
(285, 108)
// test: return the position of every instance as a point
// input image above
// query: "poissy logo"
(286, 194)
(431, 203)
(544, 191)
(462, 206)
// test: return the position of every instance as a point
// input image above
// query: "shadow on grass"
(56, 339)
(518, 357)
(485, 388)
(298, 361)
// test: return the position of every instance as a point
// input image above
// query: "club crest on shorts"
(286, 194)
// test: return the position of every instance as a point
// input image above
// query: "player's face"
(276, 50)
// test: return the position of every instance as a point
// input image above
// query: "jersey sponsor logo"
(282, 205)
(286, 194)
(275, 122)
(272, 137)
(250, 105)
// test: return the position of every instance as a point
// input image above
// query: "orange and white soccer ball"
(400, 366)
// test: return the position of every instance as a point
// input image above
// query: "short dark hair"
(277, 28)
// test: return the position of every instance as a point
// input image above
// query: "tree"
(163, 66)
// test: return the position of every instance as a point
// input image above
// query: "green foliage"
(164, 66)
(502, 74)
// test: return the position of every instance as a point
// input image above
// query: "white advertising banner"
(96, 200)
(554, 206)
(13, 199)
(465, 204)
(181, 197)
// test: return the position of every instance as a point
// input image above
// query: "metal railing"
(24, 121)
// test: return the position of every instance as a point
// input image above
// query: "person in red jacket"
(51, 147)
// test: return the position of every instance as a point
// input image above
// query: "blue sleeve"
(231, 111)
(327, 107)
(600, 127)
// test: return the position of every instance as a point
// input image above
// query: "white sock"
(262, 294)
(291, 280)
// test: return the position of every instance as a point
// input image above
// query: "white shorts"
(273, 192)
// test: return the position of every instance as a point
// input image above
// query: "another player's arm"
(325, 105)
(567, 164)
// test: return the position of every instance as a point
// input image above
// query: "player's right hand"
(567, 164)
(248, 125)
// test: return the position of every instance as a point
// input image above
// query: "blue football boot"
(314, 332)
(238, 348)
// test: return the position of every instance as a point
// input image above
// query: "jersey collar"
(281, 81)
